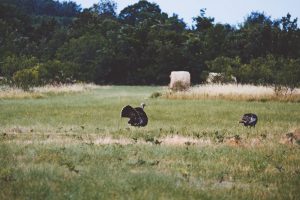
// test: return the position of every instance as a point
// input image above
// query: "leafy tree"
(15, 30)
(255, 37)
(142, 11)
(203, 23)
(288, 38)
(46, 7)
(81, 51)
(259, 71)
(105, 8)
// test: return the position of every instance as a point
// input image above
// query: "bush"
(12, 64)
(155, 95)
(226, 67)
(55, 71)
(288, 77)
(26, 78)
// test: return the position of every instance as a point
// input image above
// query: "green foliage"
(26, 78)
(283, 73)
(203, 23)
(142, 44)
(12, 64)
(288, 75)
(46, 7)
(105, 8)
(140, 12)
(227, 67)
(155, 95)
(260, 70)
(56, 71)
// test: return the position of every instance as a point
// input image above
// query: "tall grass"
(7, 92)
(235, 92)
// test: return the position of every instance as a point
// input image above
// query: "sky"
(224, 11)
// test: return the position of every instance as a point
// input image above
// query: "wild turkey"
(249, 119)
(137, 116)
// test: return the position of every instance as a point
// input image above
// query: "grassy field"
(75, 146)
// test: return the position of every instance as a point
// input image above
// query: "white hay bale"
(180, 80)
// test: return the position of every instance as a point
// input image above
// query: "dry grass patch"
(66, 88)
(7, 92)
(292, 137)
(170, 140)
(15, 93)
(181, 140)
(234, 92)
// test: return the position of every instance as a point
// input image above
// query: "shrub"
(155, 95)
(226, 67)
(287, 79)
(55, 71)
(26, 78)
(12, 64)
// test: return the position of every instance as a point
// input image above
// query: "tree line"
(47, 41)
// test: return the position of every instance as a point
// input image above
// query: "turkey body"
(249, 119)
(137, 116)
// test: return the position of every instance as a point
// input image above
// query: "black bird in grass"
(249, 119)
(137, 116)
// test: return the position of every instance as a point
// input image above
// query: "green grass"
(49, 148)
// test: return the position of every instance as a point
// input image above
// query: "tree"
(254, 39)
(289, 40)
(105, 8)
(82, 52)
(203, 23)
(142, 11)
(46, 7)
(261, 70)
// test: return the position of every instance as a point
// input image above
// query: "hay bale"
(180, 80)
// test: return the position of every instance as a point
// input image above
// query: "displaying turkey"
(249, 119)
(137, 116)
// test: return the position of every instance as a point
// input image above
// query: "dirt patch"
(110, 140)
(181, 140)
(170, 140)
(233, 141)
(292, 137)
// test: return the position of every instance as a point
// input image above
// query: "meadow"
(74, 145)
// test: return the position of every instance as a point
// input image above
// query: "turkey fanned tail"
(137, 116)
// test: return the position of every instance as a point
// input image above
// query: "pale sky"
(224, 11)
